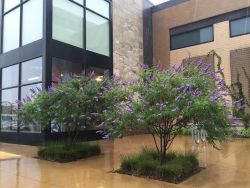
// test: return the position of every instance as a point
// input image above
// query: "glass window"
(9, 4)
(79, 1)
(9, 107)
(97, 34)
(32, 21)
(63, 69)
(26, 91)
(99, 6)
(11, 29)
(10, 76)
(68, 22)
(32, 71)
(240, 27)
(192, 38)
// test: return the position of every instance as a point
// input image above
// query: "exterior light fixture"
(99, 78)
(34, 78)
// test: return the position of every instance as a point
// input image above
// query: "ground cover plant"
(175, 168)
(61, 152)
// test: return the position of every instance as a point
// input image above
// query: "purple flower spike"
(206, 70)
(144, 66)
(235, 121)
(101, 125)
(51, 89)
(177, 109)
(19, 103)
(201, 63)
(197, 93)
(106, 137)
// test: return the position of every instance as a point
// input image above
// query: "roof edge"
(167, 5)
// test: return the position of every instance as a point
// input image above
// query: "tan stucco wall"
(184, 13)
(127, 36)
(222, 44)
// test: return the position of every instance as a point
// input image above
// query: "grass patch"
(176, 168)
(62, 152)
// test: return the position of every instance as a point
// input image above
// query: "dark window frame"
(209, 26)
(85, 9)
(18, 86)
(230, 26)
(2, 14)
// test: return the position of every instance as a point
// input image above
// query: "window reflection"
(62, 70)
(9, 107)
(32, 71)
(32, 21)
(99, 6)
(68, 23)
(9, 4)
(27, 94)
(11, 29)
(10, 76)
(97, 34)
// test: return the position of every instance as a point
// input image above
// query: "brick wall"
(222, 44)
(187, 12)
(241, 58)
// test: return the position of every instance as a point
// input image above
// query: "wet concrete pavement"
(228, 168)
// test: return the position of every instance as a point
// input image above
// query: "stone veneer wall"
(127, 37)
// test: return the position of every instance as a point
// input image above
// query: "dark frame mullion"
(21, 25)
(1, 101)
(19, 83)
(171, 45)
(111, 34)
(230, 26)
(1, 26)
(15, 7)
(19, 92)
(84, 6)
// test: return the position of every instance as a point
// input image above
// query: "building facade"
(44, 41)
(193, 28)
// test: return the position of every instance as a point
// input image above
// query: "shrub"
(185, 132)
(245, 133)
(148, 163)
(164, 102)
(61, 152)
(76, 104)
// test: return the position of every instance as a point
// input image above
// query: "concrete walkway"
(229, 168)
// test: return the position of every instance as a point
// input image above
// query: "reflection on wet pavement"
(228, 168)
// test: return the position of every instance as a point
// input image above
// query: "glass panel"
(68, 22)
(79, 1)
(97, 34)
(11, 30)
(192, 38)
(32, 21)
(206, 34)
(10, 76)
(9, 4)
(9, 106)
(63, 69)
(240, 27)
(99, 6)
(26, 92)
(32, 71)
